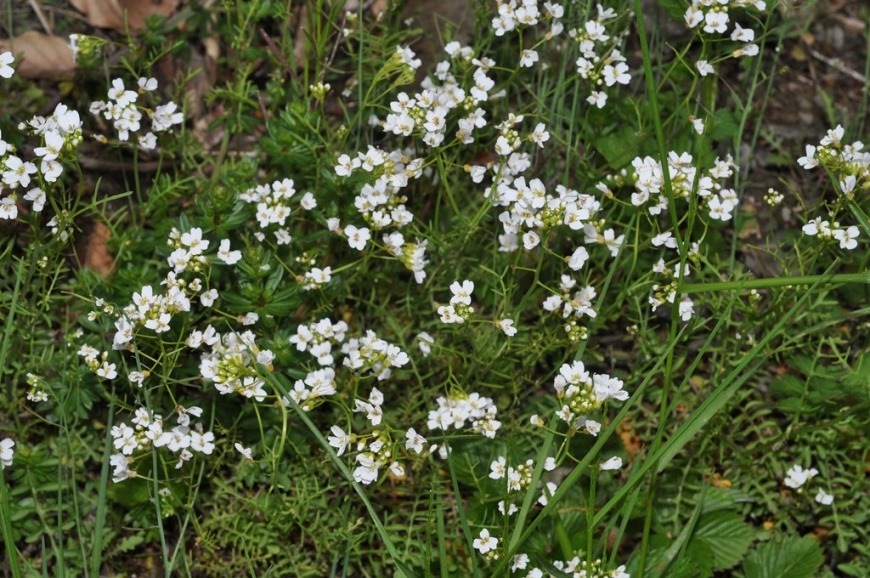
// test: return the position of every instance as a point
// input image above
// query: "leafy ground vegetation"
(333, 288)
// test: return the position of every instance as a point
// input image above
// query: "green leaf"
(617, 148)
(725, 125)
(674, 8)
(791, 556)
(727, 535)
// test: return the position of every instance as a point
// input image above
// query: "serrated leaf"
(791, 556)
(701, 555)
(727, 535)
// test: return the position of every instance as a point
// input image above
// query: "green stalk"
(99, 524)
(340, 465)
(840, 278)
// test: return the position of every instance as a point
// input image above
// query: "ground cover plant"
(516, 287)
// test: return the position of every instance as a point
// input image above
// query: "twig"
(837, 64)
(273, 48)
(40, 15)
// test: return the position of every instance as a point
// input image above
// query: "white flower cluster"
(797, 477)
(61, 133)
(850, 165)
(576, 568)
(7, 445)
(412, 255)
(579, 393)
(580, 568)
(318, 339)
(155, 312)
(232, 363)
(124, 113)
(374, 451)
(189, 251)
(520, 478)
(460, 408)
(572, 307)
(846, 236)
(273, 207)
(600, 61)
(667, 291)
(650, 184)
(523, 14)
(317, 384)
(148, 431)
(459, 310)
(98, 362)
(150, 311)
(715, 15)
(37, 392)
(382, 203)
(373, 355)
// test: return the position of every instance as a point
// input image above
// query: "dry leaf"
(38, 55)
(116, 14)
(96, 254)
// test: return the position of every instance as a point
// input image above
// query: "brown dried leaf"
(116, 14)
(96, 254)
(38, 55)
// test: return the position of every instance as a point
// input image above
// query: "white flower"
(7, 445)
(357, 238)
(578, 259)
(519, 562)
(510, 511)
(414, 441)
(847, 237)
(507, 325)
(146, 84)
(6, 59)
(796, 476)
(339, 440)
(485, 543)
(613, 463)
(824, 498)
(37, 197)
(528, 58)
(498, 469)
(461, 293)
(107, 370)
(540, 135)
(809, 161)
(847, 185)
(227, 256)
(202, 442)
(704, 67)
(597, 98)
(397, 470)
(686, 309)
(616, 74)
(833, 136)
(246, 452)
(716, 22)
(425, 341)
(209, 297)
(194, 242)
